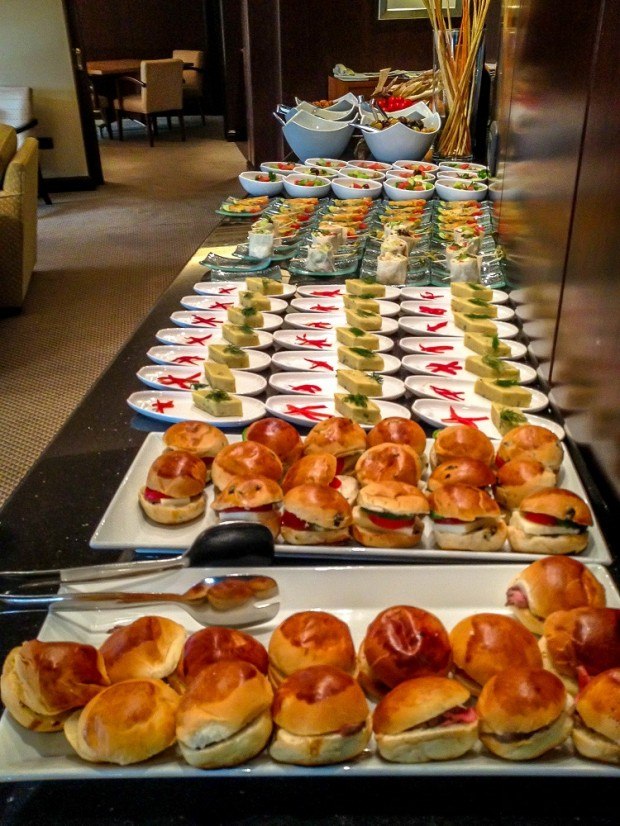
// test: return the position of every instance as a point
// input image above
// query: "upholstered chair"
(159, 92)
(193, 77)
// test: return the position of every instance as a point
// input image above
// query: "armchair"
(159, 91)
(193, 76)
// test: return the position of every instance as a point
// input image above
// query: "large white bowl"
(296, 190)
(399, 141)
(253, 187)
(340, 104)
(325, 113)
(395, 194)
(309, 136)
(447, 190)
(350, 188)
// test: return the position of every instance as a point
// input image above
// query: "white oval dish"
(351, 188)
(319, 408)
(387, 309)
(325, 384)
(176, 406)
(443, 294)
(335, 290)
(197, 337)
(160, 377)
(440, 414)
(254, 187)
(206, 302)
(426, 327)
(195, 356)
(448, 367)
(462, 390)
(294, 189)
(215, 318)
(329, 321)
(441, 309)
(305, 340)
(231, 288)
(419, 345)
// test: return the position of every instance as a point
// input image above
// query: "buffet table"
(48, 522)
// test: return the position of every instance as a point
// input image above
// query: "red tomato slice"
(335, 483)
(154, 496)
(540, 518)
(387, 524)
(289, 520)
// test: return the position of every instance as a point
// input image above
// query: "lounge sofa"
(18, 216)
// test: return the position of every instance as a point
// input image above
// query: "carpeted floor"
(104, 258)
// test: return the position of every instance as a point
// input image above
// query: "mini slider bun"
(485, 644)
(402, 643)
(523, 713)
(400, 431)
(42, 682)
(388, 515)
(466, 518)
(581, 643)
(425, 719)
(245, 459)
(148, 647)
(313, 514)
(174, 491)
(533, 442)
(320, 469)
(212, 644)
(199, 438)
(341, 437)
(462, 470)
(126, 723)
(552, 521)
(310, 638)
(224, 718)
(521, 477)
(321, 717)
(279, 436)
(554, 583)
(254, 499)
(389, 462)
(596, 733)
(461, 440)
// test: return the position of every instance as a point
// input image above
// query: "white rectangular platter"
(354, 594)
(125, 526)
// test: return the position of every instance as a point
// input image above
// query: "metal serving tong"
(233, 600)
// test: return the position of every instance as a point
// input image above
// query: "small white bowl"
(414, 166)
(319, 189)
(350, 188)
(377, 166)
(281, 167)
(409, 173)
(310, 169)
(464, 174)
(249, 181)
(360, 174)
(461, 165)
(329, 163)
(448, 190)
(396, 194)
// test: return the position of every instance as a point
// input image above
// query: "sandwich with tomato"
(466, 518)
(175, 488)
(389, 515)
(253, 499)
(552, 521)
(315, 515)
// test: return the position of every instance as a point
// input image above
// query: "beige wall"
(34, 51)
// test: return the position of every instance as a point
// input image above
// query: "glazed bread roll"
(460, 440)
(314, 514)
(174, 491)
(596, 733)
(425, 719)
(199, 438)
(400, 431)
(532, 442)
(581, 643)
(341, 437)
(42, 682)
(552, 521)
(321, 717)
(402, 642)
(251, 499)
(521, 477)
(310, 638)
(148, 647)
(389, 462)
(279, 436)
(320, 469)
(126, 723)
(485, 644)
(554, 583)
(246, 459)
(466, 518)
(523, 713)
(224, 718)
(462, 470)
(389, 515)
(215, 643)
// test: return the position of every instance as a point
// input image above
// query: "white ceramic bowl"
(309, 136)
(409, 173)
(340, 104)
(281, 167)
(399, 141)
(449, 190)
(414, 166)
(329, 163)
(326, 113)
(319, 189)
(462, 165)
(350, 188)
(252, 186)
(360, 174)
(463, 174)
(310, 169)
(377, 166)
(396, 194)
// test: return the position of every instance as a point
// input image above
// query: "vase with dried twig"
(458, 56)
